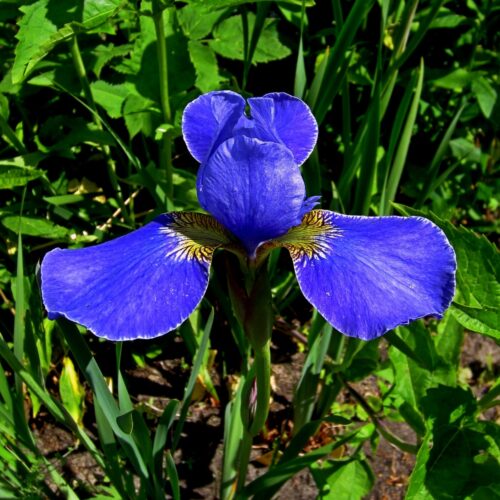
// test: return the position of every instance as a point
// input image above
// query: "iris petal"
(254, 189)
(140, 285)
(367, 275)
(283, 118)
(209, 120)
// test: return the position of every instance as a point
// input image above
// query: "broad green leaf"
(111, 97)
(456, 79)
(350, 480)
(485, 94)
(205, 65)
(105, 53)
(228, 40)
(197, 21)
(459, 456)
(462, 149)
(44, 25)
(483, 321)
(12, 176)
(96, 12)
(34, 226)
(35, 29)
(141, 115)
(414, 377)
(446, 18)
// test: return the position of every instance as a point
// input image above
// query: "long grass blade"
(188, 391)
(337, 57)
(404, 143)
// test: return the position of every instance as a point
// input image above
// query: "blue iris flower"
(365, 275)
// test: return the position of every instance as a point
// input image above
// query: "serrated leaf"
(197, 21)
(205, 64)
(106, 53)
(228, 40)
(18, 171)
(43, 26)
(96, 12)
(141, 115)
(111, 97)
(34, 30)
(33, 226)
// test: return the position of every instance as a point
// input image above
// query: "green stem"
(245, 450)
(89, 98)
(381, 428)
(166, 142)
(262, 363)
(491, 398)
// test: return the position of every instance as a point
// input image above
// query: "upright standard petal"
(254, 189)
(209, 120)
(367, 275)
(140, 285)
(283, 118)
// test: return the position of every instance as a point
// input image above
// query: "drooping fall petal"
(140, 285)
(367, 275)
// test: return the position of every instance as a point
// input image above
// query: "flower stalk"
(250, 294)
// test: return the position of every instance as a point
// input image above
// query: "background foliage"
(91, 97)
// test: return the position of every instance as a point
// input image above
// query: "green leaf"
(463, 149)
(111, 97)
(446, 18)
(12, 175)
(141, 115)
(106, 53)
(219, 4)
(34, 226)
(459, 457)
(228, 40)
(44, 25)
(205, 65)
(34, 30)
(197, 21)
(457, 79)
(350, 480)
(485, 94)
(486, 322)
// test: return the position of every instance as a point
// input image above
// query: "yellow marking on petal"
(196, 236)
(312, 238)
